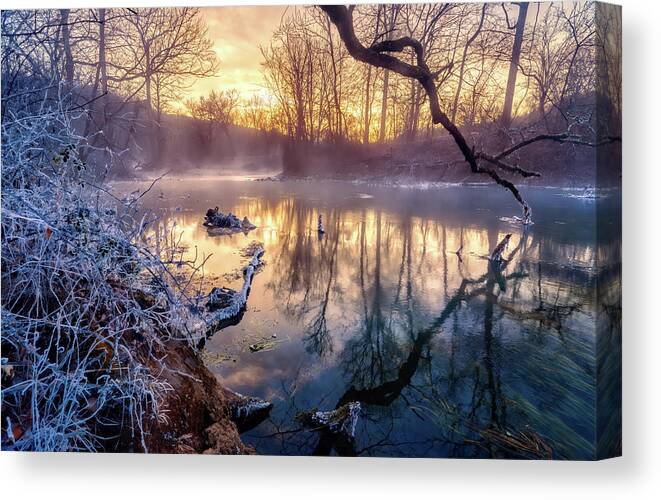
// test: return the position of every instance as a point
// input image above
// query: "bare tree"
(161, 51)
(389, 13)
(377, 55)
(514, 62)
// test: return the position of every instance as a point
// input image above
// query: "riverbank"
(436, 158)
(100, 325)
(198, 409)
(202, 416)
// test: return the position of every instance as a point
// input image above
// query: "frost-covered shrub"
(86, 301)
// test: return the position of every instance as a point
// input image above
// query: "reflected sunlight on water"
(395, 306)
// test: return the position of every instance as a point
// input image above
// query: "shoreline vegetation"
(430, 159)
(105, 326)
(104, 316)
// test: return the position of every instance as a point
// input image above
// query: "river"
(374, 310)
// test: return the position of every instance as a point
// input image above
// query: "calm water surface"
(447, 359)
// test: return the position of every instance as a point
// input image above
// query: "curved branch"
(515, 169)
(562, 138)
(342, 18)
(399, 45)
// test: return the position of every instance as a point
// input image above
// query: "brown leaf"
(17, 432)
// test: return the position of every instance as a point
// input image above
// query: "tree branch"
(342, 18)
(565, 137)
(515, 169)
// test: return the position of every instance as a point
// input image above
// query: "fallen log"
(247, 412)
(341, 421)
(219, 223)
(225, 306)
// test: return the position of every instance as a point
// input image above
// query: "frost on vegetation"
(247, 411)
(88, 298)
(340, 421)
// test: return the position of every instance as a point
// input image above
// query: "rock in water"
(341, 421)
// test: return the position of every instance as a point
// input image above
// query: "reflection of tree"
(376, 343)
(317, 338)
(552, 305)
(503, 357)
(304, 271)
(483, 424)
(294, 266)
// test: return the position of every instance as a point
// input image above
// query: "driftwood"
(225, 306)
(247, 412)
(220, 223)
(341, 421)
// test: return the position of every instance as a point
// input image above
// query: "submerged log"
(247, 412)
(341, 421)
(220, 223)
(497, 254)
(224, 305)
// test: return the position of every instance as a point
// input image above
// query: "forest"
(108, 308)
(511, 77)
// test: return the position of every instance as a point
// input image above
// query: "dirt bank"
(198, 410)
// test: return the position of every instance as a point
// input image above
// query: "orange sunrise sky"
(237, 33)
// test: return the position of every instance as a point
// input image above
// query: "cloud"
(237, 33)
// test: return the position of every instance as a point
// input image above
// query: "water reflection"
(398, 307)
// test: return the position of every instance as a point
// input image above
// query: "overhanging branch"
(342, 18)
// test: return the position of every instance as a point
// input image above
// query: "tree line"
(491, 63)
(516, 67)
(125, 68)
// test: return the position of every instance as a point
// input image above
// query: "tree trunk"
(462, 67)
(384, 106)
(66, 45)
(416, 112)
(366, 116)
(408, 126)
(514, 65)
(300, 116)
(102, 51)
(336, 97)
(389, 25)
(148, 78)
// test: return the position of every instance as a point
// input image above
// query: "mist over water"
(371, 311)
